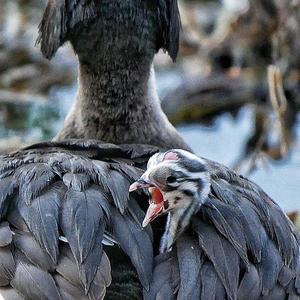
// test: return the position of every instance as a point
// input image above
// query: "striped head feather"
(179, 183)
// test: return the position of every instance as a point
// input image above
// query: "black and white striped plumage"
(225, 238)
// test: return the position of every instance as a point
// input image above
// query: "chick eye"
(171, 179)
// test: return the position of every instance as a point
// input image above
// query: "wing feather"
(246, 212)
(211, 286)
(6, 189)
(67, 195)
(271, 216)
(227, 222)
(69, 291)
(102, 279)
(5, 234)
(222, 255)
(119, 187)
(7, 266)
(136, 243)
(165, 279)
(30, 248)
(82, 222)
(268, 270)
(250, 285)
(32, 282)
(78, 182)
(41, 217)
(32, 179)
(190, 260)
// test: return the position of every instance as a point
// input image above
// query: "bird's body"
(61, 201)
(53, 205)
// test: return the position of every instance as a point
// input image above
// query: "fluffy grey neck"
(117, 102)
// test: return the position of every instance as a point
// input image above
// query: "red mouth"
(156, 205)
(156, 195)
(156, 202)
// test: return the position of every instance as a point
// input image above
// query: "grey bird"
(225, 238)
(68, 227)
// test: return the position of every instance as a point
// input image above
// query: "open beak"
(153, 212)
(156, 206)
(140, 184)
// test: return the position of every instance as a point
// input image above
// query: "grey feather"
(165, 279)
(277, 293)
(119, 187)
(82, 222)
(14, 218)
(190, 260)
(250, 285)
(7, 266)
(69, 291)
(137, 214)
(8, 293)
(32, 282)
(68, 269)
(225, 218)
(6, 189)
(102, 279)
(78, 182)
(136, 243)
(5, 234)
(252, 227)
(26, 243)
(211, 286)
(32, 179)
(285, 276)
(297, 283)
(67, 266)
(268, 270)
(222, 255)
(41, 217)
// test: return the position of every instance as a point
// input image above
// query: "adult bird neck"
(117, 102)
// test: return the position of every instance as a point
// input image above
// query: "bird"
(115, 42)
(68, 227)
(225, 238)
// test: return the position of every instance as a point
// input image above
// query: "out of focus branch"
(279, 105)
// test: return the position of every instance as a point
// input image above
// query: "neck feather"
(177, 222)
(117, 102)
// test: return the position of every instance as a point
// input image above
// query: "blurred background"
(234, 93)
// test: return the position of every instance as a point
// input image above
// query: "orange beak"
(156, 203)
